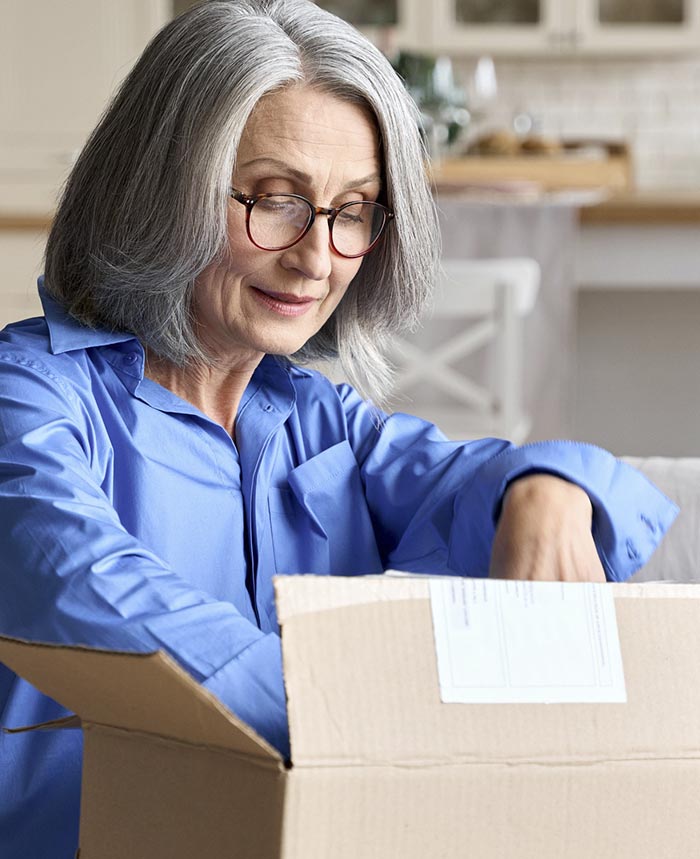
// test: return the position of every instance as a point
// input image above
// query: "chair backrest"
(469, 287)
(491, 296)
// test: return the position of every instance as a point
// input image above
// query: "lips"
(284, 303)
(286, 297)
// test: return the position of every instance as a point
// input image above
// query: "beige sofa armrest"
(678, 556)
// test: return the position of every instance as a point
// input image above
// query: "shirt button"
(131, 358)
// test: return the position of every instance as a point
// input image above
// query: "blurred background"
(567, 131)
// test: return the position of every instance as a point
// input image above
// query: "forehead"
(305, 125)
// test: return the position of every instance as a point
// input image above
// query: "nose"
(312, 256)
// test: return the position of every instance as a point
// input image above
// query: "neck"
(215, 391)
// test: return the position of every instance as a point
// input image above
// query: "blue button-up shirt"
(129, 520)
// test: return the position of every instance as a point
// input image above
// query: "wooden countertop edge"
(641, 211)
(616, 210)
(25, 222)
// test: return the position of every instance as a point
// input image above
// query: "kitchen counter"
(597, 206)
(24, 222)
(644, 240)
(567, 169)
(645, 207)
(568, 177)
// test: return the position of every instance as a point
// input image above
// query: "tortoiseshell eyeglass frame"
(249, 201)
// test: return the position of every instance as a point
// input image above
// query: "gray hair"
(144, 210)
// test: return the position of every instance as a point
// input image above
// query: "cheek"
(345, 272)
(238, 242)
(242, 257)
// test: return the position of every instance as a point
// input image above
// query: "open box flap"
(139, 692)
(362, 685)
(52, 725)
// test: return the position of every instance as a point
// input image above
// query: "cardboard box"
(381, 767)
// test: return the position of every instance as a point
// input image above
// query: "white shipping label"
(503, 641)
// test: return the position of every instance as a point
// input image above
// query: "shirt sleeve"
(70, 573)
(436, 502)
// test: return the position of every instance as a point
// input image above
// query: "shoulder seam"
(39, 367)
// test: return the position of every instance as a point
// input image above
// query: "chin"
(285, 353)
(283, 348)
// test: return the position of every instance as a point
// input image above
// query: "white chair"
(492, 297)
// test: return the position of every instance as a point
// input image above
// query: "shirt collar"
(66, 333)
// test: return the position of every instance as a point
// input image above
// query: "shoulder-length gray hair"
(144, 210)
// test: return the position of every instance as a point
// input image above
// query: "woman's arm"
(544, 533)
(437, 504)
(71, 573)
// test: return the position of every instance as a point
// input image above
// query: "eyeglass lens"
(280, 220)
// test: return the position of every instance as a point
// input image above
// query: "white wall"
(637, 385)
(21, 253)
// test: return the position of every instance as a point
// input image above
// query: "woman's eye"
(271, 204)
(350, 217)
(277, 204)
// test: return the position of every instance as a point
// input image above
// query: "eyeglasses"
(275, 222)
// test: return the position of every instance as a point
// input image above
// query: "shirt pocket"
(320, 522)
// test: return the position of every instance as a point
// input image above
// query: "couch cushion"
(678, 556)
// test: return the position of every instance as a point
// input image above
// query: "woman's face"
(301, 141)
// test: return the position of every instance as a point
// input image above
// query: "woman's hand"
(544, 533)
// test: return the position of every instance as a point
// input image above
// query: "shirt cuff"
(252, 686)
(630, 515)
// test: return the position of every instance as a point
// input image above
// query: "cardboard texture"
(381, 767)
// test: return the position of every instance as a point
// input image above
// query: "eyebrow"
(304, 177)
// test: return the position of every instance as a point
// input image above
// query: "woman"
(254, 192)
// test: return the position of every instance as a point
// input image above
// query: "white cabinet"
(636, 26)
(391, 24)
(518, 26)
(526, 27)
(521, 27)
(543, 27)
(59, 64)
